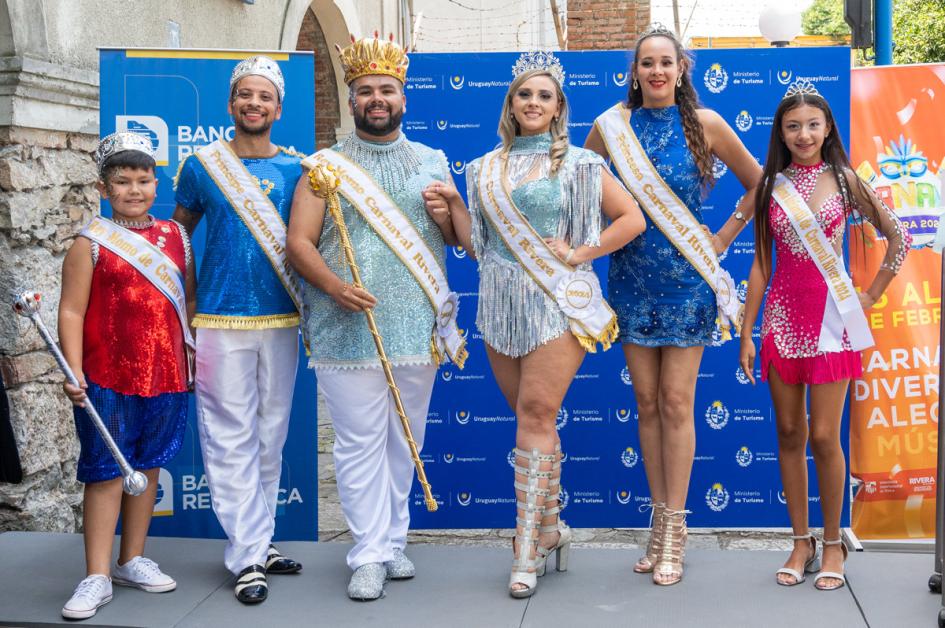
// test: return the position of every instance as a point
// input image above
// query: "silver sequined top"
(515, 315)
(340, 339)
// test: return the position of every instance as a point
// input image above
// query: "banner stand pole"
(935, 581)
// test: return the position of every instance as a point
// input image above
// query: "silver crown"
(539, 60)
(260, 66)
(657, 28)
(801, 87)
(119, 142)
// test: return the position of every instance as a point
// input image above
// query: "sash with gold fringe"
(668, 212)
(577, 292)
(254, 208)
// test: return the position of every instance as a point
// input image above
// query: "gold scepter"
(324, 182)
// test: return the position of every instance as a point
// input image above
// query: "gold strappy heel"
(654, 545)
(669, 565)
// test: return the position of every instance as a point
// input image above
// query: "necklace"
(392, 163)
(135, 224)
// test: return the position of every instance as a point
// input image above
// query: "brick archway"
(327, 107)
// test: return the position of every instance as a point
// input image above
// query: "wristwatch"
(738, 215)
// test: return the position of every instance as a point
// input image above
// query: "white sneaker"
(93, 592)
(142, 573)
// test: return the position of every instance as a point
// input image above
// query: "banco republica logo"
(152, 127)
(716, 498)
(629, 457)
(164, 502)
(717, 415)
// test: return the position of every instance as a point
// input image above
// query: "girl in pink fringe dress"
(806, 149)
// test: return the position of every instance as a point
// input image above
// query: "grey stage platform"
(465, 586)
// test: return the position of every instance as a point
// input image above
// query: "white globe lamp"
(779, 24)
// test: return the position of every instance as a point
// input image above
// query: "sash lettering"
(254, 208)
(397, 231)
(668, 212)
(577, 292)
(843, 309)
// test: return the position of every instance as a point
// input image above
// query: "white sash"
(254, 208)
(668, 212)
(577, 292)
(393, 227)
(843, 309)
(153, 263)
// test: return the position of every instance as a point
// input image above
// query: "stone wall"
(606, 24)
(46, 194)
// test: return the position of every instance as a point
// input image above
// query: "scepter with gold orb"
(324, 183)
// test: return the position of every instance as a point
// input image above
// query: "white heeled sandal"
(832, 574)
(811, 565)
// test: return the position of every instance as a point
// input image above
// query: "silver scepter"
(27, 304)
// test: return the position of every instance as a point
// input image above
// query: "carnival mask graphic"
(906, 183)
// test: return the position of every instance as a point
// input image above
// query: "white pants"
(373, 467)
(245, 380)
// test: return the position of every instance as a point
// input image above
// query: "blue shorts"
(148, 431)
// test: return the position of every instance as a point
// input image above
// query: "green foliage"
(825, 17)
(918, 31)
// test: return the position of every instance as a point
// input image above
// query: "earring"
(679, 82)
(636, 85)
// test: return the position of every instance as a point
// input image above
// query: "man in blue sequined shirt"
(247, 320)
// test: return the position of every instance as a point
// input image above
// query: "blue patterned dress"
(658, 296)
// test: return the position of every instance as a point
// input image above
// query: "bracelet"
(567, 258)
(740, 216)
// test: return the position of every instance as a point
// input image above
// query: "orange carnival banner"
(897, 135)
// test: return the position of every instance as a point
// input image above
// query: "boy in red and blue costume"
(127, 339)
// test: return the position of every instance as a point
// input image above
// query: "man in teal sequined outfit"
(373, 465)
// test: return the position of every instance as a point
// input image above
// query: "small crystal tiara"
(539, 60)
(801, 87)
(657, 28)
(120, 142)
(263, 66)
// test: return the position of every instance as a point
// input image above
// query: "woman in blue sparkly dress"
(666, 309)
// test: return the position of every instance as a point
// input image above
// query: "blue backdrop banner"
(454, 102)
(179, 99)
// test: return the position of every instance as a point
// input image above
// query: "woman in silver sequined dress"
(562, 191)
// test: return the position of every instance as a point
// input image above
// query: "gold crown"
(373, 56)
